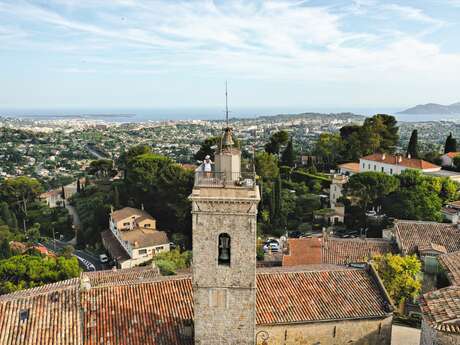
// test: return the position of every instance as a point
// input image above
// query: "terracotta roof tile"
(406, 162)
(338, 251)
(441, 309)
(451, 263)
(135, 306)
(354, 167)
(128, 212)
(412, 235)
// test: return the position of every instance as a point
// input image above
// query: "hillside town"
(319, 250)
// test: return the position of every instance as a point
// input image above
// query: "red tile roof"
(451, 263)
(400, 160)
(412, 235)
(441, 309)
(159, 310)
(452, 154)
(338, 251)
(51, 316)
(353, 167)
(303, 251)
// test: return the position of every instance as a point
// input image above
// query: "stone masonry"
(224, 296)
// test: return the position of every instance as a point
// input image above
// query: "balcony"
(221, 179)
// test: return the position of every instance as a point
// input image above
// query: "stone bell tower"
(224, 211)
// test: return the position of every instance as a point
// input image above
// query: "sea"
(127, 115)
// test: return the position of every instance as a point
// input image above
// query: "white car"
(272, 246)
(103, 258)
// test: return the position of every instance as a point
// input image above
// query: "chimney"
(85, 284)
(399, 158)
(409, 156)
(384, 156)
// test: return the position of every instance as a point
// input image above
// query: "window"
(142, 251)
(224, 249)
(159, 249)
(369, 166)
(375, 167)
(364, 165)
(382, 169)
(147, 225)
(23, 315)
(391, 171)
(126, 224)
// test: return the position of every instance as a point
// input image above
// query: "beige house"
(133, 238)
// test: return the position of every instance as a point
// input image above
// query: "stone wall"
(224, 295)
(430, 336)
(356, 332)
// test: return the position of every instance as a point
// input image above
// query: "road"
(94, 153)
(75, 220)
(94, 260)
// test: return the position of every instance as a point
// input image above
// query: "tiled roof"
(412, 235)
(338, 251)
(128, 212)
(353, 167)
(441, 309)
(116, 276)
(341, 251)
(452, 154)
(113, 246)
(400, 160)
(307, 296)
(48, 315)
(156, 310)
(303, 251)
(451, 263)
(141, 238)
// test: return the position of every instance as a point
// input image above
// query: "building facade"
(394, 164)
(224, 211)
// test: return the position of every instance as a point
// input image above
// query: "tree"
(327, 149)
(288, 155)
(266, 166)
(418, 197)
(116, 198)
(20, 191)
(208, 147)
(78, 186)
(456, 163)
(385, 127)
(102, 168)
(67, 251)
(276, 141)
(412, 148)
(451, 144)
(5, 250)
(370, 188)
(62, 192)
(400, 275)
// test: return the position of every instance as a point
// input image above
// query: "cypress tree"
(451, 144)
(63, 192)
(116, 198)
(412, 148)
(5, 250)
(78, 186)
(288, 156)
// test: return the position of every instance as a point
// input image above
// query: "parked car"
(103, 258)
(273, 247)
(272, 240)
(295, 234)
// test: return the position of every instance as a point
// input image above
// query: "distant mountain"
(433, 108)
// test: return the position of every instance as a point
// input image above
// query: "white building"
(394, 164)
(335, 191)
(133, 238)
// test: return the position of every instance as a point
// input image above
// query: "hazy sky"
(148, 53)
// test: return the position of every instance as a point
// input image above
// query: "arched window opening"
(224, 249)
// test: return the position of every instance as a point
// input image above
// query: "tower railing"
(224, 179)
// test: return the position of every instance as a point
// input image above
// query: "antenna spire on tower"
(226, 103)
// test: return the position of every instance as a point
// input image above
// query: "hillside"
(433, 108)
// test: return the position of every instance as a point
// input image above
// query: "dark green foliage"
(208, 147)
(27, 271)
(276, 141)
(170, 262)
(116, 198)
(102, 169)
(267, 166)
(78, 186)
(378, 134)
(451, 144)
(288, 155)
(412, 148)
(5, 250)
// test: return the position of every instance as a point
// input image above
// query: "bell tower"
(224, 211)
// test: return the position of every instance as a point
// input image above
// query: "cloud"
(271, 40)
